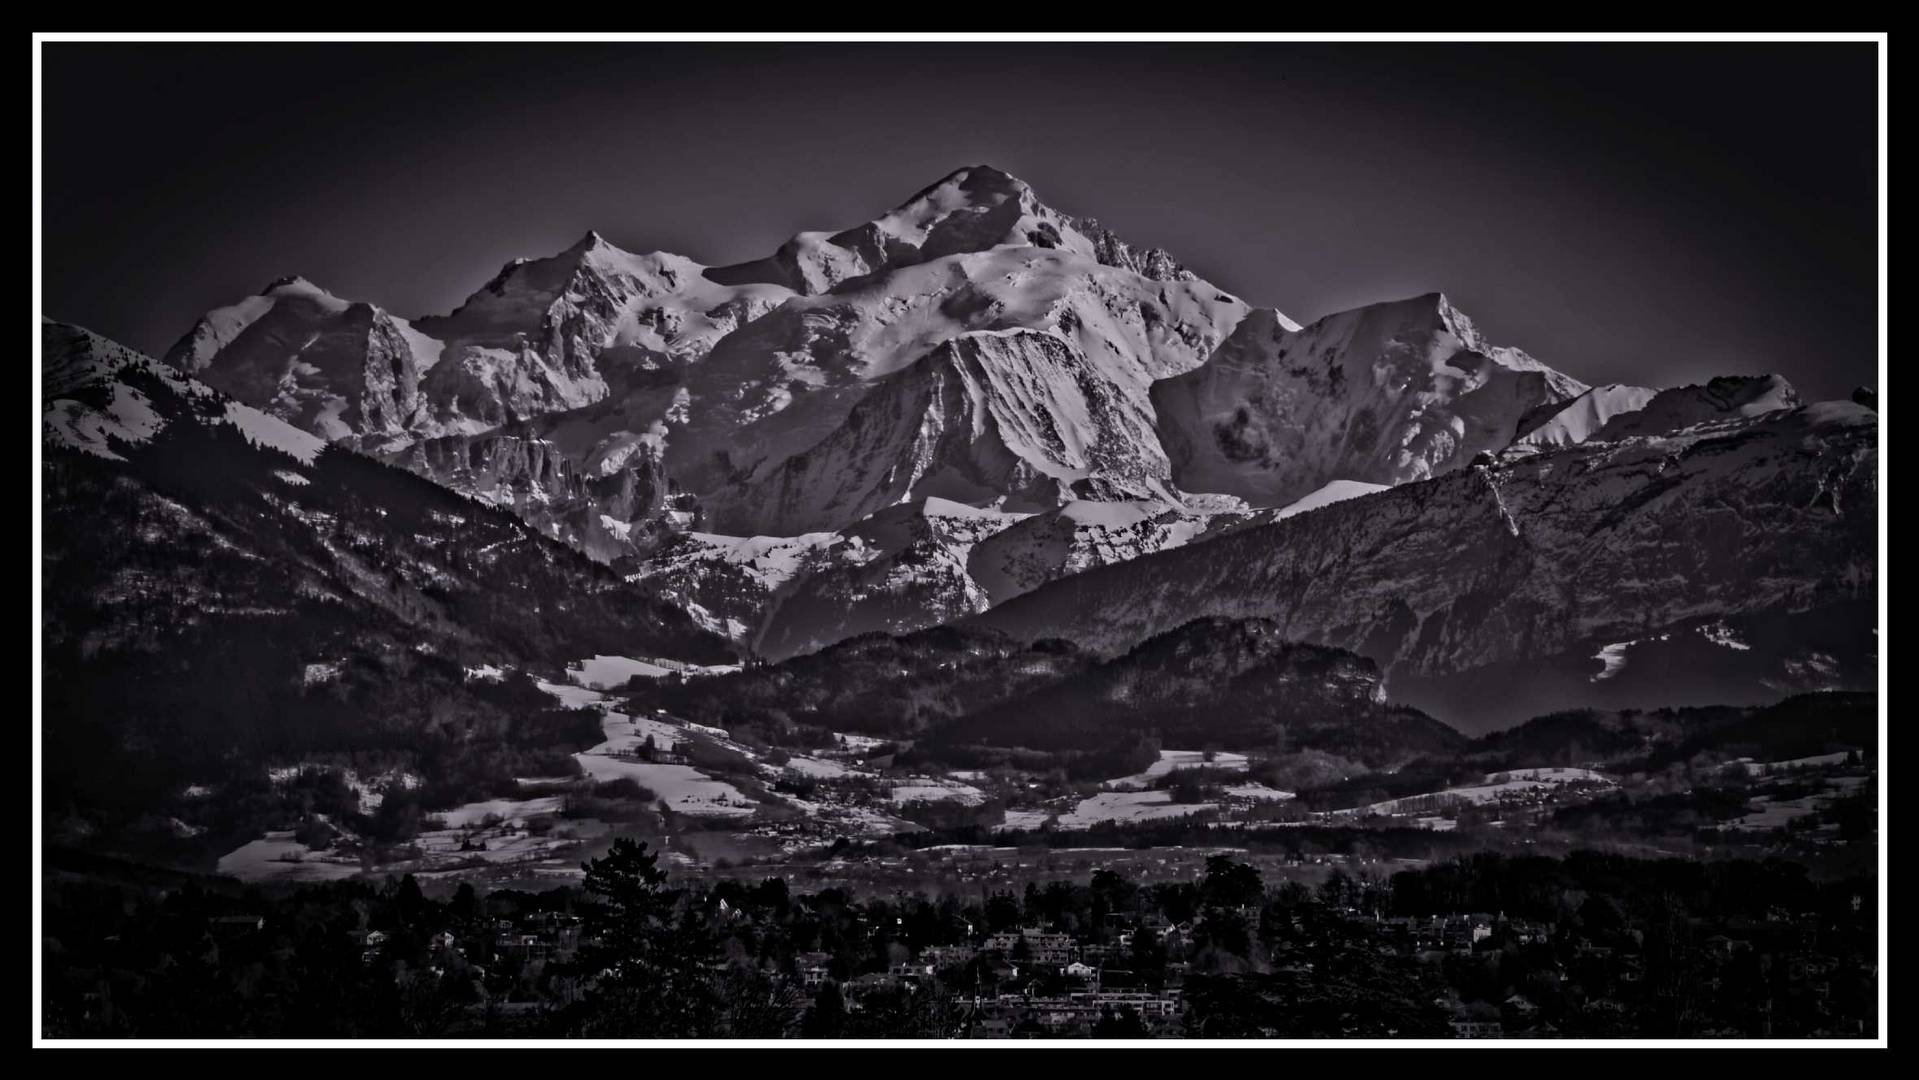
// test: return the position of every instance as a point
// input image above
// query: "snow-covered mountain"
(339, 369)
(587, 389)
(790, 381)
(545, 392)
(1381, 394)
(911, 420)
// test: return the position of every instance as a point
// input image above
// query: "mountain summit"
(973, 209)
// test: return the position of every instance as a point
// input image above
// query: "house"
(813, 968)
(370, 942)
(1478, 1029)
(524, 948)
(1080, 970)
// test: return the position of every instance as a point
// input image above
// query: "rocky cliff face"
(1007, 419)
(1382, 394)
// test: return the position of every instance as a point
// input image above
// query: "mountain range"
(975, 406)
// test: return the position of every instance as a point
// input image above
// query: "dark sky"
(1639, 213)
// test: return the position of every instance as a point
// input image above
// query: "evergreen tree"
(643, 952)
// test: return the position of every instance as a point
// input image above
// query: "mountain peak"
(290, 283)
(972, 209)
(981, 183)
(590, 242)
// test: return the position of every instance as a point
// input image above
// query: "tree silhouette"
(643, 951)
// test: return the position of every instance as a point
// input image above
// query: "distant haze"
(1652, 214)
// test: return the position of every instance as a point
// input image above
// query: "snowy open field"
(1128, 806)
(611, 672)
(513, 811)
(683, 788)
(820, 768)
(277, 856)
(573, 697)
(1254, 792)
(1169, 760)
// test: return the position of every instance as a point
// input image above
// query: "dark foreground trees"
(1590, 946)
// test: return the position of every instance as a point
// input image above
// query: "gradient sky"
(1653, 214)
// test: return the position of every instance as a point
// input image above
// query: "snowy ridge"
(1382, 394)
(973, 209)
(1725, 398)
(1581, 418)
(141, 397)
